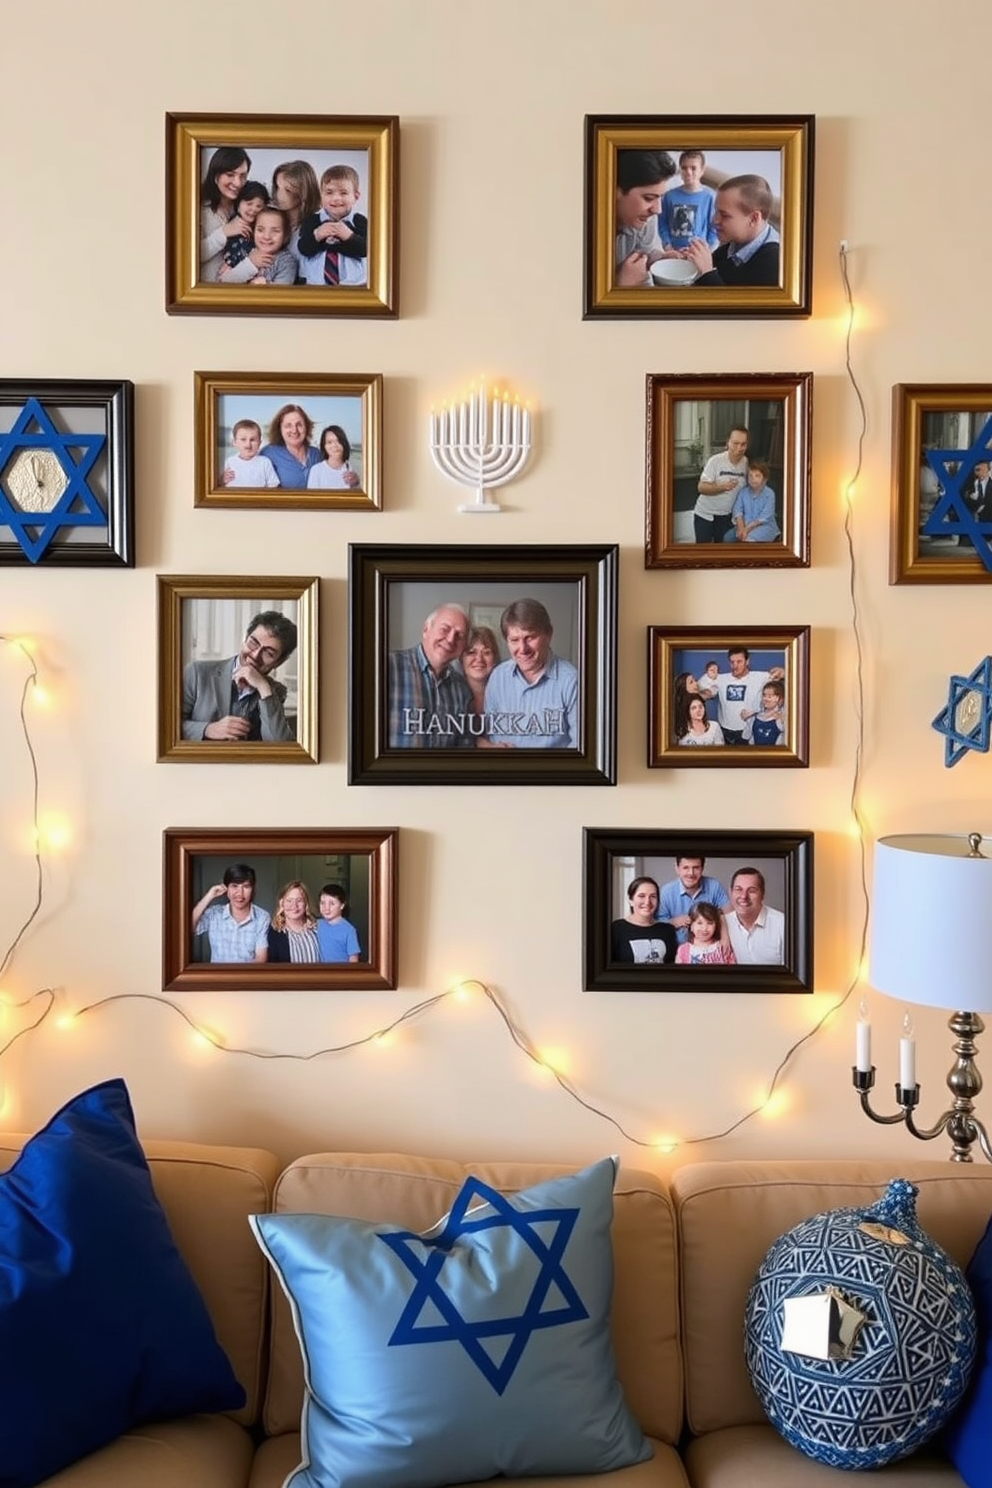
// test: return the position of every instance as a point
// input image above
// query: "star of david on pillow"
(479, 1347)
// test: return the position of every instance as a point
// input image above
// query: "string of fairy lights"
(46, 997)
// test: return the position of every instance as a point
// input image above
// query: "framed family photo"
(728, 470)
(941, 487)
(702, 911)
(482, 665)
(67, 473)
(698, 215)
(300, 442)
(272, 214)
(728, 698)
(237, 669)
(269, 910)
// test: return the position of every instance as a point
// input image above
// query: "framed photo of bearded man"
(492, 665)
(237, 669)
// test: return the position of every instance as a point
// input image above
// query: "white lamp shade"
(930, 922)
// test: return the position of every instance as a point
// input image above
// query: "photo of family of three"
(268, 444)
(267, 220)
(308, 922)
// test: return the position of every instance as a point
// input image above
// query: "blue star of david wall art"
(494, 1343)
(66, 473)
(954, 515)
(966, 722)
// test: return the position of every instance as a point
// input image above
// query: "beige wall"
(491, 99)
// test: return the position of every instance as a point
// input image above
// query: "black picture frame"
(313, 854)
(393, 589)
(67, 473)
(782, 145)
(645, 849)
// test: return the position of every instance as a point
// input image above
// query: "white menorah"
(481, 444)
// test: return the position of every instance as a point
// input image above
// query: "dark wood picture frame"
(732, 145)
(674, 653)
(392, 589)
(611, 854)
(219, 397)
(244, 597)
(67, 473)
(688, 419)
(366, 144)
(311, 853)
(940, 534)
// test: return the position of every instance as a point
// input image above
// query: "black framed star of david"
(942, 484)
(67, 473)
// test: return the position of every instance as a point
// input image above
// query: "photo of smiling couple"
(490, 674)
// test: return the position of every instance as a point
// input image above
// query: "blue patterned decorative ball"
(908, 1362)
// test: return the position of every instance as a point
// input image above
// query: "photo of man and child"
(268, 220)
(685, 216)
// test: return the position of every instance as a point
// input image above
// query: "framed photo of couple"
(306, 442)
(482, 665)
(728, 698)
(281, 214)
(697, 911)
(698, 215)
(728, 470)
(270, 910)
(941, 484)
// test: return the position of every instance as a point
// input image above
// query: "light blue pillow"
(101, 1325)
(969, 1435)
(480, 1347)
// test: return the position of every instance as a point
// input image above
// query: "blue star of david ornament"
(431, 1314)
(77, 506)
(952, 514)
(966, 722)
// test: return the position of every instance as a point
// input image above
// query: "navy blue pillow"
(969, 1435)
(102, 1327)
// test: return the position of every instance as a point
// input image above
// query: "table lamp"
(929, 944)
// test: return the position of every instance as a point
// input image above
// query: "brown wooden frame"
(181, 846)
(663, 392)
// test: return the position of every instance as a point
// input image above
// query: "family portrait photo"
(292, 442)
(728, 462)
(737, 698)
(308, 909)
(702, 911)
(237, 661)
(288, 214)
(481, 677)
(942, 485)
(698, 215)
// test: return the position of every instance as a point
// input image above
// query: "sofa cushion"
(969, 1436)
(412, 1191)
(101, 1324)
(480, 1347)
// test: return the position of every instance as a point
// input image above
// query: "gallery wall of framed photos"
(250, 441)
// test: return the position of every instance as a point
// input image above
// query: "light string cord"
(30, 682)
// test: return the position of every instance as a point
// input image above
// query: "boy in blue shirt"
(753, 512)
(687, 210)
(336, 936)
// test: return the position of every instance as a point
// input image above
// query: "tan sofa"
(685, 1255)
